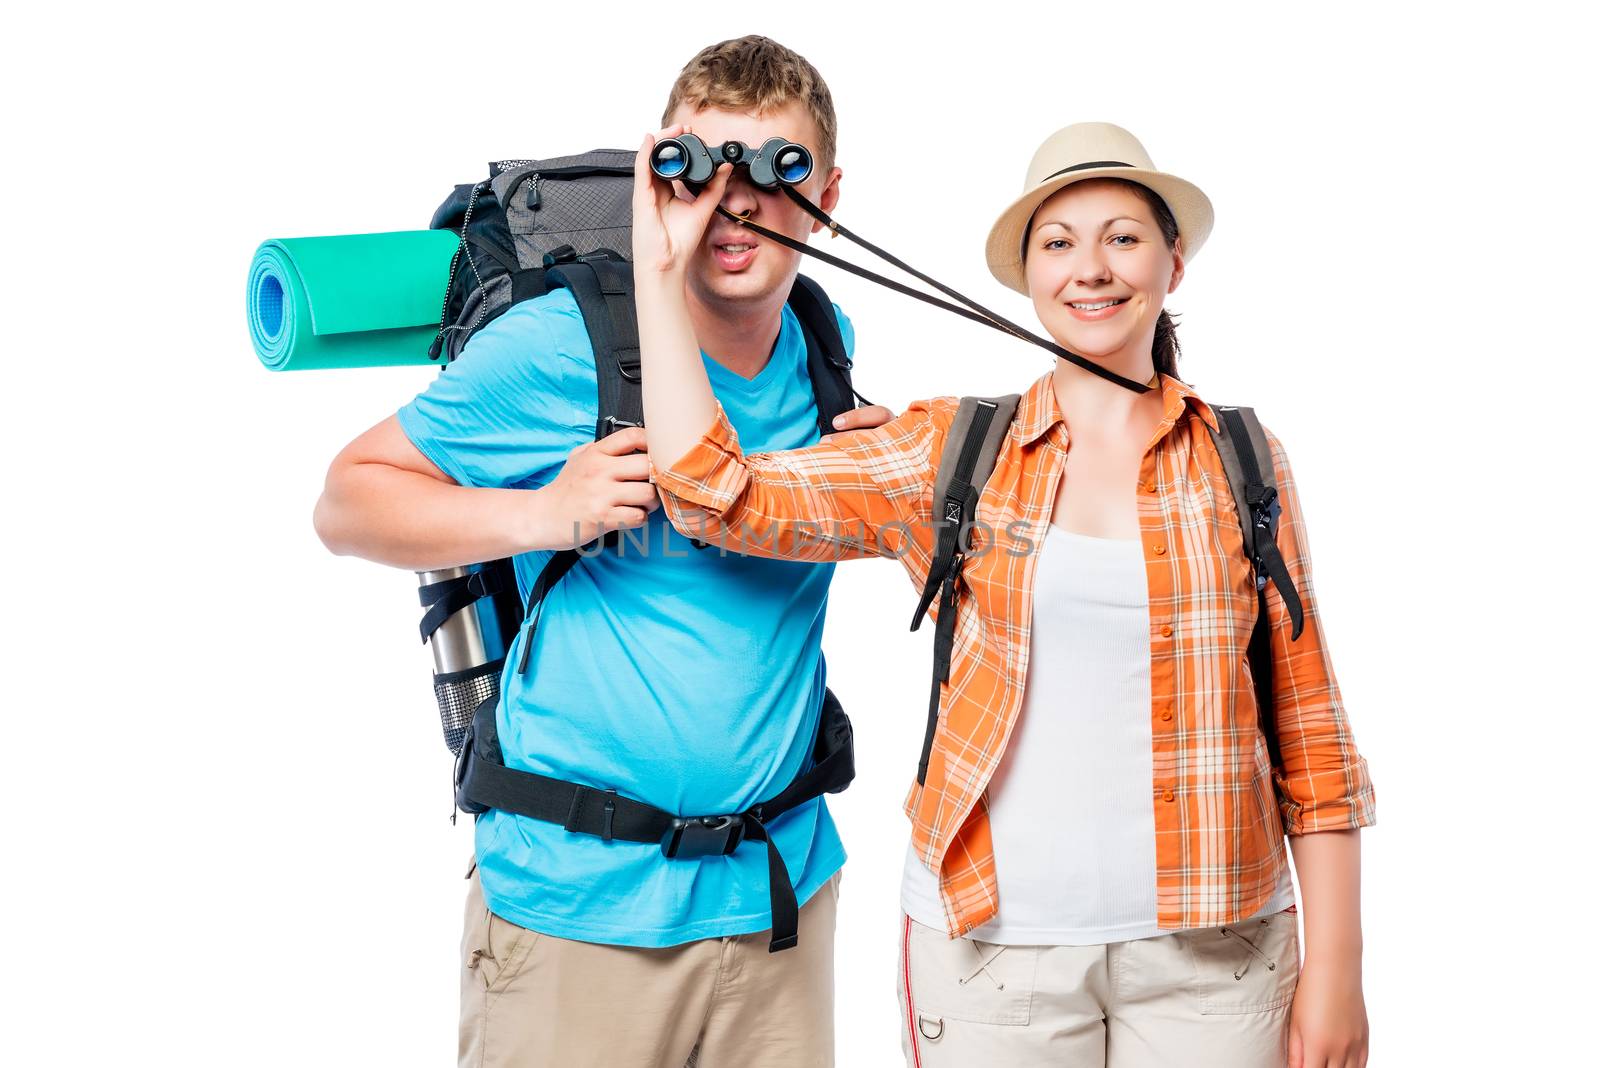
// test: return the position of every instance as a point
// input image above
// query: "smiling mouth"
(735, 248)
(1096, 305)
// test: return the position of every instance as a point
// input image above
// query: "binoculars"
(689, 160)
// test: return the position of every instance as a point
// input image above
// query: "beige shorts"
(1216, 997)
(533, 1000)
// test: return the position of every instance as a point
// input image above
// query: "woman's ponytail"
(1164, 352)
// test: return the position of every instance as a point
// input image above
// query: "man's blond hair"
(757, 74)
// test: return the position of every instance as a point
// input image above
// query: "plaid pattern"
(1221, 810)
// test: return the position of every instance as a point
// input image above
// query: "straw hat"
(1079, 152)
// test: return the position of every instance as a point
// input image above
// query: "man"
(686, 678)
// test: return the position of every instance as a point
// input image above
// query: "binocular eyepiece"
(689, 160)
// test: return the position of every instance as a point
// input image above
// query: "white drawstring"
(983, 967)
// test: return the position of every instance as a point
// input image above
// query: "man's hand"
(668, 222)
(867, 418)
(603, 487)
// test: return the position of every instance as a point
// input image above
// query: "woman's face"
(1095, 242)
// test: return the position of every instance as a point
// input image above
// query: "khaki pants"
(1217, 997)
(533, 1000)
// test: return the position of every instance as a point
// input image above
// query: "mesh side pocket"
(459, 693)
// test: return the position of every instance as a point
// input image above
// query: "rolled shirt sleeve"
(865, 494)
(1324, 782)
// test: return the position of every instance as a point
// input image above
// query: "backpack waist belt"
(483, 781)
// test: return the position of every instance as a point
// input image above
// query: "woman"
(1097, 872)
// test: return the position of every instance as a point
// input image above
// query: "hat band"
(1022, 248)
(1084, 167)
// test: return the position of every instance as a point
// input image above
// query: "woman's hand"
(1328, 1023)
(668, 223)
(868, 417)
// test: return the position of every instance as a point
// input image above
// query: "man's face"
(734, 265)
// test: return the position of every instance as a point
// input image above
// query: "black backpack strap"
(554, 568)
(602, 284)
(826, 361)
(446, 597)
(970, 450)
(483, 781)
(527, 284)
(1247, 459)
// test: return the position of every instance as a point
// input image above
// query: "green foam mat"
(354, 300)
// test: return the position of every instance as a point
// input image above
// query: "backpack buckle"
(703, 836)
(628, 365)
(1265, 510)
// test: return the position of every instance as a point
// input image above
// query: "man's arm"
(1326, 797)
(385, 501)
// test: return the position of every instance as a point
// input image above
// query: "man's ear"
(829, 197)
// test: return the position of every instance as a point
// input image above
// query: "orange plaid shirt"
(1220, 823)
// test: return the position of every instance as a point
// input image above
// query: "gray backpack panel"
(545, 207)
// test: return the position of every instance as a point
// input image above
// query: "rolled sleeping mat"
(355, 300)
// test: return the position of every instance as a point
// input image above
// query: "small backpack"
(970, 450)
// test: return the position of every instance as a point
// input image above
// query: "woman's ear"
(1177, 264)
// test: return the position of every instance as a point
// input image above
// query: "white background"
(225, 794)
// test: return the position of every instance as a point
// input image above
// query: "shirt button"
(1166, 632)
(1166, 795)
(1166, 714)
(1150, 487)
(1161, 550)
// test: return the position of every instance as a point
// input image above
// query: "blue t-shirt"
(687, 678)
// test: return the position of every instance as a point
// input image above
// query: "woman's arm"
(1328, 1023)
(850, 496)
(866, 494)
(678, 402)
(1326, 796)
(1324, 782)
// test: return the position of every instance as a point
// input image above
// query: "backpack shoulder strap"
(1247, 459)
(970, 451)
(826, 361)
(602, 284)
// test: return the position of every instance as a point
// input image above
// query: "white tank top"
(1070, 806)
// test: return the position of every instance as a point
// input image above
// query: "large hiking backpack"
(530, 227)
(970, 450)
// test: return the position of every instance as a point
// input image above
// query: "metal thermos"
(469, 650)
